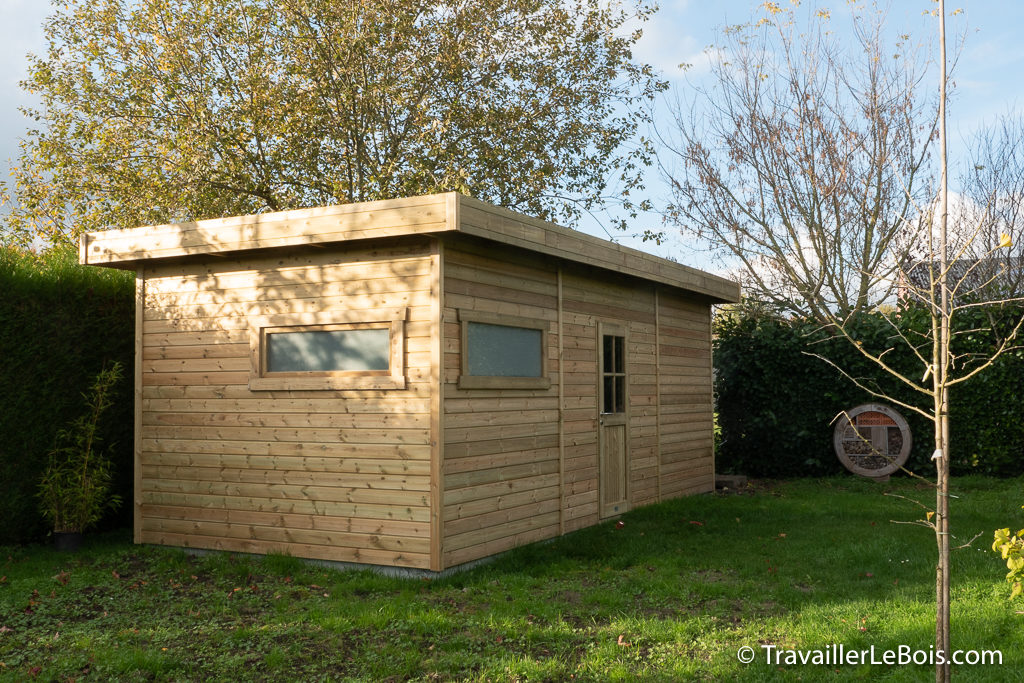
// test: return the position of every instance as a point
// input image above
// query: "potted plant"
(75, 489)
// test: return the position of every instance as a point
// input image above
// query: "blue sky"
(989, 78)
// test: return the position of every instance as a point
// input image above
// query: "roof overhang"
(436, 215)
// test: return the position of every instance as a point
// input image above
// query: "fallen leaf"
(62, 578)
(622, 642)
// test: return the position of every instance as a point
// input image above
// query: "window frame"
(392, 319)
(618, 374)
(468, 381)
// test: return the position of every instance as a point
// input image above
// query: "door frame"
(611, 420)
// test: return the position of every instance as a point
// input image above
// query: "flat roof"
(438, 215)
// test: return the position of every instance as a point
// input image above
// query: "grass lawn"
(671, 595)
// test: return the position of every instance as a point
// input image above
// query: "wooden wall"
(501, 456)
(335, 475)
(412, 477)
(522, 465)
(685, 391)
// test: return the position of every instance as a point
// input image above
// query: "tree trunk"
(942, 641)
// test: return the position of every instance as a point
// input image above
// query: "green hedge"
(59, 324)
(776, 403)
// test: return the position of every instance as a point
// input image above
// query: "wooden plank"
(494, 475)
(140, 308)
(317, 494)
(265, 503)
(292, 434)
(658, 372)
(315, 552)
(468, 449)
(509, 528)
(486, 462)
(344, 306)
(198, 351)
(373, 527)
(561, 406)
(248, 475)
(292, 464)
(252, 281)
(438, 425)
(314, 265)
(500, 432)
(475, 552)
(224, 406)
(499, 417)
(396, 452)
(501, 488)
(256, 532)
(529, 496)
(500, 517)
(386, 218)
(490, 222)
(397, 420)
(231, 323)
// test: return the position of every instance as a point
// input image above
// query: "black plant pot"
(67, 541)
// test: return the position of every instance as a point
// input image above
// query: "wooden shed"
(417, 383)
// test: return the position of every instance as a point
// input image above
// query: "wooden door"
(613, 427)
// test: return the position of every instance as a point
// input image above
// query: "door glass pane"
(613, 374)
(503, 350)
(328, 350)
(608, 397)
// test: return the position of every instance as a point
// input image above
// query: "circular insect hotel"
(872, 440)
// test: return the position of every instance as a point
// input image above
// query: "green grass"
(672, 595)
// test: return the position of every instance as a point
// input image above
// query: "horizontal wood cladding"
(686, 459)
(437, 464)
(501, 464)
(507, 227)
(328, 474)
(512, 473)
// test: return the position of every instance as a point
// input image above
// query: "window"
(318, 351)
(503, 352)
(613, 374)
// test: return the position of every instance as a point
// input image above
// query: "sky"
(989, 78)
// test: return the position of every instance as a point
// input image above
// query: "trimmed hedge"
(60, 323)
(776, 403)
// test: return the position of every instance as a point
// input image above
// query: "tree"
(992, 204)
(183, 109)
(805, 163)
(813, 172)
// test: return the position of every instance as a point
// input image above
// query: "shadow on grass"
(672, 594)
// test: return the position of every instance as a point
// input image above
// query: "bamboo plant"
(75, 488)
